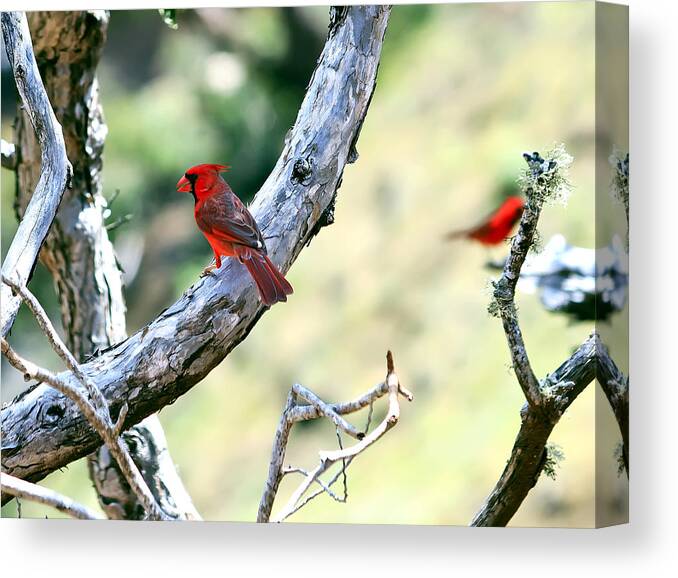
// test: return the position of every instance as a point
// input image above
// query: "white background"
(646, 547)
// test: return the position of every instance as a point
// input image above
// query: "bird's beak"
(184, 185)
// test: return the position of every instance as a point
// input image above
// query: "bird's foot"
(208, 270)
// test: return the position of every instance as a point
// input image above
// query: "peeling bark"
(42, 431)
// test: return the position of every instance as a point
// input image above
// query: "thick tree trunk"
(77, 251)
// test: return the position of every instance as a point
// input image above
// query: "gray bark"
(505, 292)
(42, 431)
(77, 250)
(148, 447)
(22, 489)
(528, 456)
(615, 385)
(546, 400)
(52, 174)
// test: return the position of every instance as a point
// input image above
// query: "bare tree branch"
(541, 181)
(90, 402)
(546, 401)
(544, 180)
(55, 168)
(616, 387)
(165, 359)
(21, 489)
(275, 468)
(327, 411)
(614, 383)
(55, 341)
(290, 415)
(78, 252)
(305, 412)
(529, 453)
(324, 487)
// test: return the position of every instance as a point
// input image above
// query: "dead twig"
(293, 413)
(543, 180)
(90, 401)
(22, 489)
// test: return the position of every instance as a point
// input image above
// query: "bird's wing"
(226, 218)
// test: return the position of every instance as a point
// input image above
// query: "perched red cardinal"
(231, 230)
(497, 226)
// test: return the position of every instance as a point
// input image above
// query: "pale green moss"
(554, 455)
(546, 179)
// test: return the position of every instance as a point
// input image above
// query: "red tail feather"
(272, 286)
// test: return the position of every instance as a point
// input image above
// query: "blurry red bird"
(231, 230)
(497, 227)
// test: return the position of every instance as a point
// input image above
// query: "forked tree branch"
(295, 412)
(55, 169)
(156, 365)
(22, 489)
(544, 180)
(88, 400)
(529, 453)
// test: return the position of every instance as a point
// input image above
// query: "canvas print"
(361, 264)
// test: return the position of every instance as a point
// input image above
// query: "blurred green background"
(462, 91)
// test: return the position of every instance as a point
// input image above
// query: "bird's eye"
(192, 177)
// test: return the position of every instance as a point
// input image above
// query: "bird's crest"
(206, 168)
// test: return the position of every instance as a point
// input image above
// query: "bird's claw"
(208, 270)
